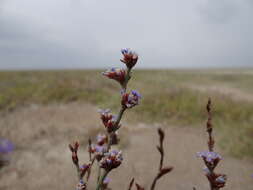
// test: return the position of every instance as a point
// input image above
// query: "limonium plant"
(101, 151)
(107, 158)
(211, 159)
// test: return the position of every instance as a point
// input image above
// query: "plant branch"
(101, 180)
(99, 173)
(131, 184)
(209, 126)
(89, 170)
(161, 170)
(117, 126)
(160, 147)
(127, 78)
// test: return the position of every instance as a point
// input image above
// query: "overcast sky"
(44, 34)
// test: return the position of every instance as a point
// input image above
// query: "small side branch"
(160, 147)
(131, 184)
(162, 170)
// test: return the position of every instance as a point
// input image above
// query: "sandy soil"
(42, 160)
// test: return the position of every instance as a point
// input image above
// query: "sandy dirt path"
(42, 160)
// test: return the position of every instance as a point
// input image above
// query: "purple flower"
(103, 112)
(125, 51)
(101, 139)
(108, 120)
(209, 156)
(111, 160)
(117, 74)
(106, 180)
(221, 179)
(211, 159)
(100, 149)
(6, 146)
(106, 183)
(84, 168)
(130, 58)
(136, 93)
(130, 100)
(81, 185)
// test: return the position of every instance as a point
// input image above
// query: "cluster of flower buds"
(81, 185)
(108, 120)
(130, 58)
(130, 100)
(117, 74)
(111, 160)
(74, 148)
(211, 159)
(217, 181)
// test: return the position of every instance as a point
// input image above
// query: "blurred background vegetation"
(171, 97)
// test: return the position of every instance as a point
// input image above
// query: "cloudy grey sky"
(44, 34)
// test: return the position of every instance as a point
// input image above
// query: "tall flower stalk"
(101, 152)
(211, 158)
(162, 171)
(112, 158)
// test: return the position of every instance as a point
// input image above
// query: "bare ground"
(42, 159)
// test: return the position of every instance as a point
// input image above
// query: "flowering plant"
(211, 158)
(109, 159)
(101, 152)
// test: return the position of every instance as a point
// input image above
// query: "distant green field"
(172, 97)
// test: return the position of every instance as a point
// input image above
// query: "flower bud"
(130, 58)
(130, 100)
(81, 185)
(108, 120)
(116, 74)
(211, 159)
(111, 160)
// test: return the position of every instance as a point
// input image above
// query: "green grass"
(165, 98)
(21, 88)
